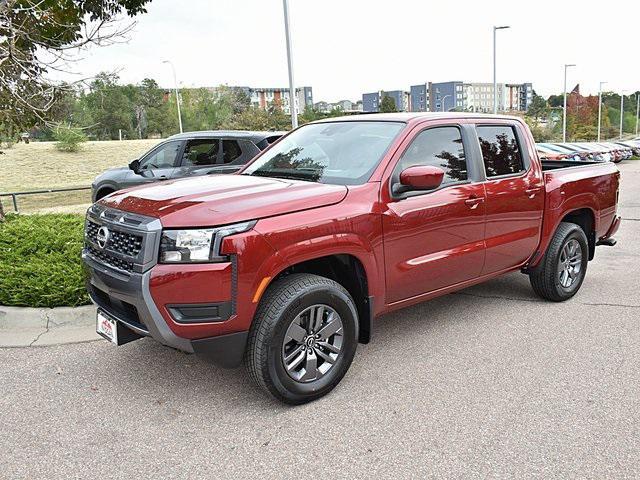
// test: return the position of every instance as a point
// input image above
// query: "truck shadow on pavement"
(179, 381)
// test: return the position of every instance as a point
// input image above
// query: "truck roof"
(412, 116)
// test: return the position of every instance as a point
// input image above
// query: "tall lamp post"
(443, 99)
(292, 90)
(600, 108)
(495, 86)
(621, 112)
(637, 111)
(175, 84)
(564, 107)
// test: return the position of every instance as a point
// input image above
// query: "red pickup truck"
(286, 264)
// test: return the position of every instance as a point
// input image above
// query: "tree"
(538, 108)
(37, 36)
(387, 104)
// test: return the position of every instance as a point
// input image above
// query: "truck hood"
(222, 199)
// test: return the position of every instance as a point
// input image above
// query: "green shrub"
(40, 264)
(68, 138)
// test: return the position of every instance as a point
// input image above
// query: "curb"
(34, 327)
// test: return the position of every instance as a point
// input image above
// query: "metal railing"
(14, 195)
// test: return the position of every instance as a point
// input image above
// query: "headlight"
(197, 245)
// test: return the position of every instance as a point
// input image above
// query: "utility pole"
(564, 108)
(292, 89)
(600, 108)
(495, 86)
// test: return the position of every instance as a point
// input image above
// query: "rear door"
(199, 157)
(514, 196)
(434, 239)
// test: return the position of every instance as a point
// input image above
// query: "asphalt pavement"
(487, 382)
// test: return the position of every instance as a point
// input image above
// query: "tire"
(548, 279)
(291, 302)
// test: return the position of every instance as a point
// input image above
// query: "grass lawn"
(40, 264)
(40, 166)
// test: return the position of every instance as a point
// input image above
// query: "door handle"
(163, 177)
(473, 202)
(531, 192)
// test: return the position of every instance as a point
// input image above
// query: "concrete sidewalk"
(26, 327)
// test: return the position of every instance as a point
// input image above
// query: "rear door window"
(201, 152)
(500, 150)
(230, 151)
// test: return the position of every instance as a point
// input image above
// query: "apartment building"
(371, 101)
(279, 97)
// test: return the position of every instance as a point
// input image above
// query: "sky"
(343, 48)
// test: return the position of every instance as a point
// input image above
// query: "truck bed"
(556, 164)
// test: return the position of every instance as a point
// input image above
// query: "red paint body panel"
(221, 199)
(411, 249)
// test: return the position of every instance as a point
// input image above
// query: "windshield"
(343, 153)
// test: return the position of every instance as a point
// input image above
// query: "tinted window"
(162, 157)
(200, 152)
(438, 147)
(343, 153)
(230, 150)
(500, 150)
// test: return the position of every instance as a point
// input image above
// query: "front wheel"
(303, 338)
(564, 266)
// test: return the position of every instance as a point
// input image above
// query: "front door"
(434, 239)
(515, 197)
(159, 164)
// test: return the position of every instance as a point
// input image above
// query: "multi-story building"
(518, 96)
(371, 101)
(419, 98)
(278, 97)
(446, 96)
(479, 97)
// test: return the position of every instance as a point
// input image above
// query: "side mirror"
(135, 165)
(419, 177)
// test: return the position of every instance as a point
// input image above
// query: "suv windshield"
(343, 153)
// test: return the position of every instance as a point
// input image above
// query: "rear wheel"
(303, 338)
(564, 266)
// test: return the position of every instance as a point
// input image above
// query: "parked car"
(186, 155)
(600, 153)
(634, 146)
(564, 150)
(287, 263)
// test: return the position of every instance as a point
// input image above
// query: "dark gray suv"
(185, 155)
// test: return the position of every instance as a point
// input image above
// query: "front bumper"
(127, 298)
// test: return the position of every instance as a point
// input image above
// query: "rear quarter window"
(501, 152)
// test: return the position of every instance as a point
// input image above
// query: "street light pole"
(621, 112)
(637, 111)
(175, 84)
(564, 108)
(443, 99)
(292, 90)
(495, 85)
(600, 108)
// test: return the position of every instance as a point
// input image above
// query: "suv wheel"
(564, 266)
(303, 338)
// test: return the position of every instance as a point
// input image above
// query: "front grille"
(128, 244)
(117, 308)
(110, 260)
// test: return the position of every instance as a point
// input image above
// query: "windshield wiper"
(286, 176)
